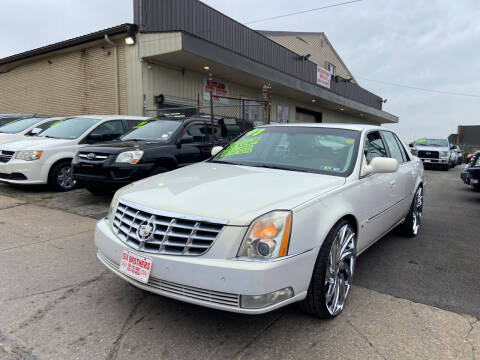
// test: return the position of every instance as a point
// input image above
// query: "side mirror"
(381, 165)
(216, 150)
(36, 131)
(411, 145)
(453, 147)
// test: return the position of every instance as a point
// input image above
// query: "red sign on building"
(323, 77)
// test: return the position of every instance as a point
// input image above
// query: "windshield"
(5, 121)
(19, 125)
(70, 128)
(160, 130)
(310, 149)
(432, 142)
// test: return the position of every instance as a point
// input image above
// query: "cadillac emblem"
(146, 230)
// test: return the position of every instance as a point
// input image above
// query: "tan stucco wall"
(72, 83)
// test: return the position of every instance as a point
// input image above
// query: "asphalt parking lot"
(414, 298)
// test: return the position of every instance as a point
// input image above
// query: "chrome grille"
(96, 156)
(428, 154)
(215, 297)
(5, 156)
(172, 235)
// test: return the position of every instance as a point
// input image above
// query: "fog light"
(261, 301)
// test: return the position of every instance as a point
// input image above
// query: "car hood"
(237, 194)
(36, 143)
(116, 147)
(432, 148)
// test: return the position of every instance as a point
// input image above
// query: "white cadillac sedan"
(277, 217)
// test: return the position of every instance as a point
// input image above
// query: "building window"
(331, 68)
(283, 114)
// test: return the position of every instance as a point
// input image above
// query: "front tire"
(412, 223)
(333, 273)
(61, 177)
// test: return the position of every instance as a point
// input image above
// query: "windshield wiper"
(265, 166)
(224, 162)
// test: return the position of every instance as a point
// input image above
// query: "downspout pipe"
(116, 81)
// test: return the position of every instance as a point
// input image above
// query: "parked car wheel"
(61, 177)
(414, 218)
(333, 273)
(99, 189)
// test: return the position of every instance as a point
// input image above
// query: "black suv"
(151, 148)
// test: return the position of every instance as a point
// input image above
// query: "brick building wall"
(78, 82)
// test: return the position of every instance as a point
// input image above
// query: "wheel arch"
(56, 162)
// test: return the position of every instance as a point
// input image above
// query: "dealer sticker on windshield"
(136, 266)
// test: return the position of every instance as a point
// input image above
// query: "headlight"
(28, 155)
(114, 203)
(267, 237)
(478, 162)
(131, 157)
(444, 153)
(414, 152)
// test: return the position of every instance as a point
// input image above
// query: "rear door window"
(395, 151)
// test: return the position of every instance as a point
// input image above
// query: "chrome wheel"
(65, 178)
(340, 268)
(417, 211)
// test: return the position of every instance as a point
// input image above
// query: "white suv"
(46, 158)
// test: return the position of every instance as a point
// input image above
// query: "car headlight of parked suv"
(414, 152)
(444, 153)
(267, 237)
(28, 155)
(130, 157)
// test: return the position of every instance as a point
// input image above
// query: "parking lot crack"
(41, 313)
(113, 353)
(366, 339)
(468, 337)
(15, 351)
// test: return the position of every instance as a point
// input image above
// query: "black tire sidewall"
(53, 178)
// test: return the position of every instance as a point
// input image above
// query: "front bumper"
(109, 172)
(474, 176)
(22, 172)
(209, 282)
(440, 161)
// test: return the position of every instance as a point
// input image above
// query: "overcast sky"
(431, 44)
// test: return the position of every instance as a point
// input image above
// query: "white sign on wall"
(323, 77)
(218, 89)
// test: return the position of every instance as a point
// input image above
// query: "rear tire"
(333, 273)
(414, 218)
(61, 177)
